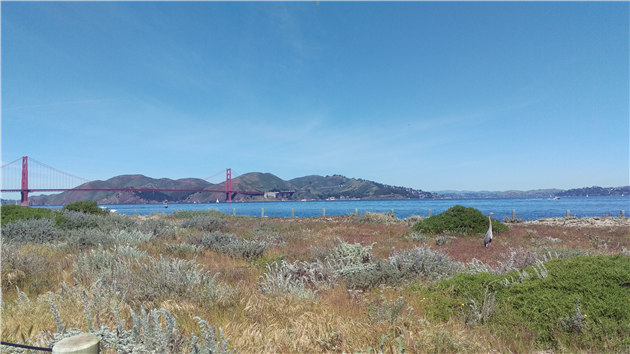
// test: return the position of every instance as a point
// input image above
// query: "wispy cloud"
(53, 104)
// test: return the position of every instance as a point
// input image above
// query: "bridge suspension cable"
(14, 161)
(43, 176)
(38, 177)
(215, 175)
(59, 171)
(11, 175)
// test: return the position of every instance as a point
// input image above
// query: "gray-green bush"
(155, 331)
(42, 230)
(233, 246)
(401, 266)
(183, 249)
(86, 238)
(69, 220)
(205, 223)
(100, 262)
(280, 280)
(352, 253)
(157, 227)
(147, 279)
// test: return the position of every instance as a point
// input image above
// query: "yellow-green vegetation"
(85, 207)
(581, 302)
(18, 212)
(460, 220)
(200, 281)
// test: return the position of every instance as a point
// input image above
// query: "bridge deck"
(130, 190)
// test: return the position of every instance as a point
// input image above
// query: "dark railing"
(26, 346)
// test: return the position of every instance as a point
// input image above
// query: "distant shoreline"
(13, 201)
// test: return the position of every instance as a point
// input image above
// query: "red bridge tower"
(228, 185)
(24, 191)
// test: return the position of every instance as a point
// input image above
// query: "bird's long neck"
(490, 219)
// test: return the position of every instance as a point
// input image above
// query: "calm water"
(528, 209)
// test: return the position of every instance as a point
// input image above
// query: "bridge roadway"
(130, 190)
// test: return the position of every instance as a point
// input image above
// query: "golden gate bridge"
(50, 179)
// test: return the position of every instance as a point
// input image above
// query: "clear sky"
(428, 95)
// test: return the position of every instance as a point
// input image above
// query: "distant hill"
(125, 197)
(595, 192)
(304, 188)
(341, 187)
(538, 193)
(309, 188)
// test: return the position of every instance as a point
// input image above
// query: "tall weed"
(388, 311)
(26, 267)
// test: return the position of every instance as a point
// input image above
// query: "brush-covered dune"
(202, 281)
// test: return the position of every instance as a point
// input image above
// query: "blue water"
(528, 209)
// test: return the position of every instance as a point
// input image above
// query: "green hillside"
(309, 187)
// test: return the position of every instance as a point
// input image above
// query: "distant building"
(271, 195)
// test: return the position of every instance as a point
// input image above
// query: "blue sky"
(454, 95)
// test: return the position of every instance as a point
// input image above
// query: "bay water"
(527, 209)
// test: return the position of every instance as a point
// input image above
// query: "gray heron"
(488, 238)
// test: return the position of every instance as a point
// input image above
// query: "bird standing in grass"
(488, 238)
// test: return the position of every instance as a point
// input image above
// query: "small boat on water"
(554, 198)
(217, 200)
(165, 204)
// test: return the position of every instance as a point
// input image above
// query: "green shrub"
(86, 207)
(547, 305)
(460, 220)
(17, 212)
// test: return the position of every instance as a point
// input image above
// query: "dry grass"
(339, 321)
